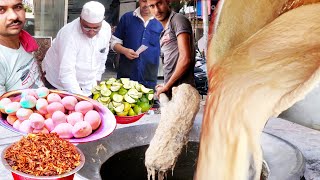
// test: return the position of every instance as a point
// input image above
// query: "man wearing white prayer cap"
(76, 60)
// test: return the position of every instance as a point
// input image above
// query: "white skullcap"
(93, 12)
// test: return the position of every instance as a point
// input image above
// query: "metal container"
(17, 175)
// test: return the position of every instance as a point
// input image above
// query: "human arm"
(120, 35)
(119, 48)
(183, 63)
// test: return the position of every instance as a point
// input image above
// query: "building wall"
(111, 15)
(49, 17)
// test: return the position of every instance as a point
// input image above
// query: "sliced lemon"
(144, 99)
(119, 109)
(105, 99)
(112, 79)
(127, 86)
(98, 88)
(94, 91)
(109, 82)
(127, 106)
(105, 92)
(117, 84)
(116, 104)
(129, 99)
(115, 88)
(138, 87)
(150, 97)
(144, 89)
(133, 83)
(102, 83)
(103, 87)
(117, 98)
(100, 101)
(122, 91)
(124, 113)
(134, 96)
(144, 106)
(96, 96)
(133, 91)
(110, 105)
(125, 80)
(137, 110)
(131, 112)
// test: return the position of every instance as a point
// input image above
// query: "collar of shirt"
(169, 19)
(138, 14)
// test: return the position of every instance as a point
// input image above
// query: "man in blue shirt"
(135, 29)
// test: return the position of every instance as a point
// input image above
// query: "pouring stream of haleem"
(263, 57)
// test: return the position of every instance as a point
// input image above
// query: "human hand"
(158, 85)
(160, 88)
(131, 54)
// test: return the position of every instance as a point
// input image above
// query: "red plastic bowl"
(107, 126)
(128, 119)
(17, 175)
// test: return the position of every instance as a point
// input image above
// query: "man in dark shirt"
(135, 29)
(177, 46)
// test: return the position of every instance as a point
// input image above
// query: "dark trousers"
(48, 85)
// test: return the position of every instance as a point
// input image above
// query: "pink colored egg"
(16, 124)
(74, 117)
(3, 104)
(26, 127)
(37, 121)
(58, 117)
(69, 102)
(42, 105)
(81, 129)
(93, 118)
(11, 119)
(23, 113)
(28, 101)
(29, 92)
(43, 130)
(42, 92)
(53, 97)
(84, 107)
(55, 106)
(64, 130)
(47, 116)
(70, 112)
(48, 124)
(12, 108)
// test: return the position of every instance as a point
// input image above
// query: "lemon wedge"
(117, 98)
(119, 109)
(129, 99)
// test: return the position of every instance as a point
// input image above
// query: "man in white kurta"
(76, 60)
